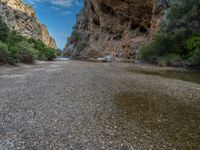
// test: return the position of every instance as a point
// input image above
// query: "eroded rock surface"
(116, 27)
(22, 18)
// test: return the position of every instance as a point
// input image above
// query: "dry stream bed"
(85, 105)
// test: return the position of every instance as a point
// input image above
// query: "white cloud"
(31, 2)
(55, 8)
(66, 13)
(64, 3)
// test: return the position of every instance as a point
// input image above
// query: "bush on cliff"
(176, 44)
(13, 38)
(45, 53)
(16, 48)
(77, 42)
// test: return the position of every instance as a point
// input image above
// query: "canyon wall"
(115, 27)
(21, 18)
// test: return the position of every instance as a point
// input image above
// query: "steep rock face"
(116, 27)
(48, 40)
(22, 18)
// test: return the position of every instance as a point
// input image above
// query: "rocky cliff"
(22, 18)
(48, 40)
(114, 27)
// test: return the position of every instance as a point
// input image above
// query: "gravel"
(74, 105)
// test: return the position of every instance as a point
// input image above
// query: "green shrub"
(183, 14)
(193, 44)
(59, 52)
(40, 46)
(162, 62)
(20, 49)
(24, 52)
(74, 38)
(148, 53)
(45, 53)
(171, 60)
(3, 31)
(13, 55)
(195, 59)
(161, 45)
(41, 56)
(49, 53)
(13, 38)
(80, 46)
(4, 53)
(168, 47)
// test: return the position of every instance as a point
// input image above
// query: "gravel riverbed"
(75, 105)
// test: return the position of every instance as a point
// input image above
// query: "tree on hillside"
(177, 43)
(183, 14)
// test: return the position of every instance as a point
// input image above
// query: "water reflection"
(174, 120)
(192, 76)
(63, 59)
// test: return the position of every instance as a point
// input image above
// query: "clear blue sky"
(58, 15)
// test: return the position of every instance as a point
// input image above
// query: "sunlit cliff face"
(22, 18)
(116, 27)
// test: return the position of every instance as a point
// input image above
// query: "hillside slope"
(22, 18)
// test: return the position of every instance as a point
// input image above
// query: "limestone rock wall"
(116, 27)
(22, 18)
(48, 40)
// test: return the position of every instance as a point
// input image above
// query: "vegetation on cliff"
(22, 18)
(178, 42)
(77, 43)
(76, 40)
(15, 48)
